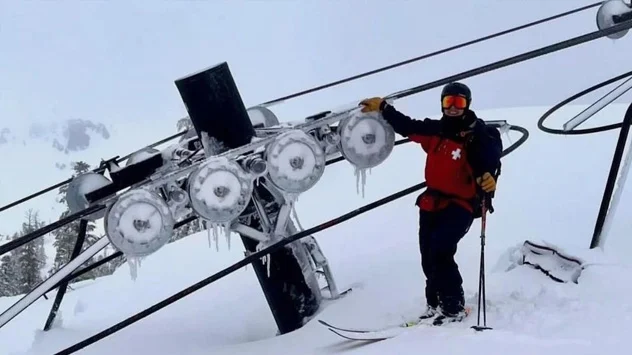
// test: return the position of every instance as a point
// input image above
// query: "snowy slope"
(550, 190)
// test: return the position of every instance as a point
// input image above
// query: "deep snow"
(549, 190)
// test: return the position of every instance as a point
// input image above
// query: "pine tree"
(65, 239)
(30, 258)
(7, 277)
(187, 229)
(110, 267)
(66, 236)
(9, 273)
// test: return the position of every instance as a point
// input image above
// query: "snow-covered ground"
(549, 190)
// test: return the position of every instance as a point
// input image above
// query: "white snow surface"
(549, 192)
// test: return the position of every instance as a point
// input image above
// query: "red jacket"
(456, 156)
(449, 176)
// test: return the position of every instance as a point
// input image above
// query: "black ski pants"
(439, 234)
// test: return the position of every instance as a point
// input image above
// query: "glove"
(487, 182)
(374, 104)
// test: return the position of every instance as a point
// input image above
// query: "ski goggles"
(459, 102)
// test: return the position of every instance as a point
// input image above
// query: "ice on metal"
(134, 264)
(360, 175)
(295, 161)
(366, 139)
(598, 105)
(220, 190)
(625, 169)
(265, 259)
(605, 15)
(79, 187)
(139, 223)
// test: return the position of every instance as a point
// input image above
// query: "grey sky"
(116, 61)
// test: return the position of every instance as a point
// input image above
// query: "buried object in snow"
(548, 259)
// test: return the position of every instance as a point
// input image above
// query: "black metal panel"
(124, 177)
(83, 227)
(16, 243)
(612, 178)
(286, 288)
(215, 106)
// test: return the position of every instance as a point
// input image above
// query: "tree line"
(25, 267)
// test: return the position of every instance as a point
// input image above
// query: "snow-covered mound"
(549, 191)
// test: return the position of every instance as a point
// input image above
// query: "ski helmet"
(457, 88)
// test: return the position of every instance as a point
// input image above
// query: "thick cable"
(355, 77)
(493, 66)
(605, 207)
(429, 55)
(514, 60)
(96, 264)
(254, 257)
(577, 132)
(67, 181)
(16, 243)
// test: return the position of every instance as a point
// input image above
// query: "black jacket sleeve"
(406, 126)
(485, 149)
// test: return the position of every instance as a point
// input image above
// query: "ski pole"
(481, 279)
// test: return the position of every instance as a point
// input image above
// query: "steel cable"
(338, 82)
(432, 54)
(259, 254)
(576, 132)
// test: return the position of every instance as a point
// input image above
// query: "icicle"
(360, 175)
(265, 259)
(215, 234)
(295, 216)
(226, 227)
(268, 265)
(290, 198)
(216, 229)
(505, 130)
(620, 183)
(134, 264)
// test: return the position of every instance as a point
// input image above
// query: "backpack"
(494, 134)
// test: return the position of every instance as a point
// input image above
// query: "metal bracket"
(46, 285)
(61, 291)
(320, 261)
(249, 232)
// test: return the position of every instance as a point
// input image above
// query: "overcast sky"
(116, 60)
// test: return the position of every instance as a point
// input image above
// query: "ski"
(382, 333)
(367, 330)
(376, 334)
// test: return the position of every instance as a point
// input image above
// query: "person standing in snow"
(463, 158)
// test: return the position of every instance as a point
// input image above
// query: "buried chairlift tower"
(240, 170)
